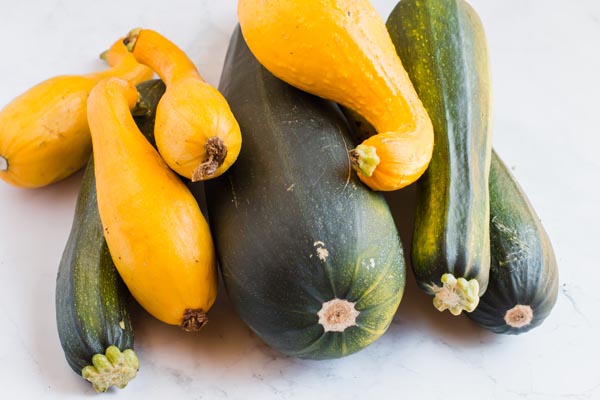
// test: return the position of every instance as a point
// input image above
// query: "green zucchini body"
(523, 283)
(310, 257)
(91, 300)
(443, 48)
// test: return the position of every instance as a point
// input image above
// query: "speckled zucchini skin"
(524, 270)
(91, 299)
(293, 226)
(442, 46)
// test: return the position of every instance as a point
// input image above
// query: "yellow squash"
(196, 132)
(156, 234)
(340, 50)
(44, 134)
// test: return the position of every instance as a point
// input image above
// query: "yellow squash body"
(156, 233)
(195, 130)
(44, 134)
(340, 50)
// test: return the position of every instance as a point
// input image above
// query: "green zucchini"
(310, 257)
(523, 283)
(442, 46)
(91, 314)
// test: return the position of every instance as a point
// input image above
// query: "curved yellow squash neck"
(340, 50)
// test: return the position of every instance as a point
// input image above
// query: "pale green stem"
(456, 295)
(364, 159)
(104, 55)
(116, 368)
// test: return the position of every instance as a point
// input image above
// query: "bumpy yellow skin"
(157, 236)
(44, 134)
(190, 112)
(340, 50)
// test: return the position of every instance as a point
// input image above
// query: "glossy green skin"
(292, 187)
(523, 269)
(442, 46)
(91, 299)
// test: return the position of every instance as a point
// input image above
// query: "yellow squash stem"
(44, 134)
(195, 130)
(156, 234)
(340, 50)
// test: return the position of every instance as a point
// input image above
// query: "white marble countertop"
(545, 60)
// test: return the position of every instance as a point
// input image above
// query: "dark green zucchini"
(523, 277)
(310, 257)
(91, 314)
(442, 46)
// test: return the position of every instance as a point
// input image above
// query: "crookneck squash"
(196, 133)
(444, 50)
(91, 300)
(310, 257)
(523, 283)
(340, 50)
(44, 134)
(156, 233)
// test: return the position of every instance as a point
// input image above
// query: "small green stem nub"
(456, 295)
(364, 159)
(131, 38)
(3, 164)
(116, 368)
(104, 55)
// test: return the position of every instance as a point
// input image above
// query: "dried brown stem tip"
(216, 152)
(193, 320)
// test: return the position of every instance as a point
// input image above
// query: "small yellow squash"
(195, 130)
(155, 231)
(340, 50)
(44, 134)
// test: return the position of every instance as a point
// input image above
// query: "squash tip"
(193, 320)
(337, 315)
(3, 164)
(364, 159)
(104, 55)
(131, 38)
(519, 316)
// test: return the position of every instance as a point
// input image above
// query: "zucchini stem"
(216, 152)
(364, 159)
(3, 164)
(456, 295)
(193, 320)
(116, 368)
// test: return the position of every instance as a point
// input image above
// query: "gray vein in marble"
(22, 342)
(571, 299)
